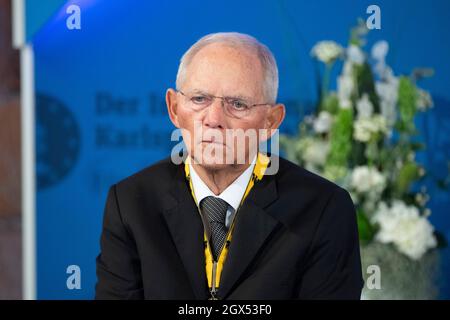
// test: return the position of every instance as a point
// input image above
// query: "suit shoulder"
(158, 173)
(310, 198)
(296, 176)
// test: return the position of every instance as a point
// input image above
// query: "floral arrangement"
(363, 137)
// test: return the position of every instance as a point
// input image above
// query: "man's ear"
(172, 106)
(274, 118)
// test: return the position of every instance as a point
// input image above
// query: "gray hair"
(235, 39)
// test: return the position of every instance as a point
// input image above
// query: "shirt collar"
(232, 194)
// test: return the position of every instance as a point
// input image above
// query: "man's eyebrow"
(240, 97)
(235, 96)
(200, 92)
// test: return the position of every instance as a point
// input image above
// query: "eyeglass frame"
(249, 107)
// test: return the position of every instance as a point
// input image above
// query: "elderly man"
(227, 221)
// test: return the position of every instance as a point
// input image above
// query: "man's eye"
(199, 99)
(239, 105)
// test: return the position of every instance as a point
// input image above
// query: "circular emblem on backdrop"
(57, 141)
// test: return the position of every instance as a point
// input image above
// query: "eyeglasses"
(234, 107)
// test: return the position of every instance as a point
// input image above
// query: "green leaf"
(407, 175)
(407, 103)
(341, 138)
(365, 229)
(366, 84)
(331, 104)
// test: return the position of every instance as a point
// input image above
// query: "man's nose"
(215, 115)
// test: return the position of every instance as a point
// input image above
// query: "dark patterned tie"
(215, 210)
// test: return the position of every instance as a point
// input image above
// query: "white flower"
(424, 100)
(387, 90)
(421, 199)
(364, 107)
(362, 130)
(367, 180)
(315, 152)
(422, 171)
(323, 122)
(380, 50)
(403, 226)
(345, 86)
(379, 53)
(345, 103)
(327, 51)
(388, 101)
(355, 54)
(366, 128)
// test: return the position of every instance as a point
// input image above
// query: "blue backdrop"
(100, 99)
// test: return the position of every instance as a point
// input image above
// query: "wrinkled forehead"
(225, 70)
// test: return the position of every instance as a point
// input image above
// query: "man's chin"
(212, 166)
(212, 162)
(218, 158)
(219, 163)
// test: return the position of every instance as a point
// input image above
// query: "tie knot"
(215, 208)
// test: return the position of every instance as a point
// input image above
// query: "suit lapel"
(186, 228)
(253, 227)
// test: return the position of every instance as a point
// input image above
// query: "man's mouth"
(213, 139)
(214, 142)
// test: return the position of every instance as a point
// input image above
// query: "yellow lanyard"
(214, 268)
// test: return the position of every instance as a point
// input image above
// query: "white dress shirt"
(232, 194)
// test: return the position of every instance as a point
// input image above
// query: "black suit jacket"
(295, 237)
